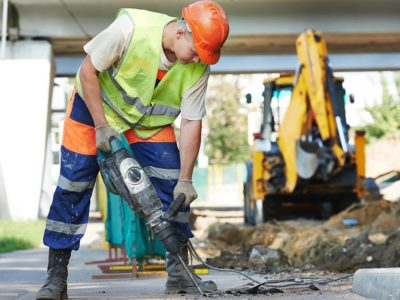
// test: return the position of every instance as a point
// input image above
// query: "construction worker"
(139, 74)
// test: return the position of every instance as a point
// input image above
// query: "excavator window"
(279, 103)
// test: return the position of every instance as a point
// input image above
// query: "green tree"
(227, 122)
(386, 115)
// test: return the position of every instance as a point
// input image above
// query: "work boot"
(178, 280)
(55, 287)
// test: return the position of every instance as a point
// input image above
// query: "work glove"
(103, 134)
(185, 187)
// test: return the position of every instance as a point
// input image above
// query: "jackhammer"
(123, 176)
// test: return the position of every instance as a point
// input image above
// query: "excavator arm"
(308, 135)
(313, 57)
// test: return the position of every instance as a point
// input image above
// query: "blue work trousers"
(69, 211)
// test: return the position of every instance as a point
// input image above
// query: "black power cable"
(196, 255)
(274, 283)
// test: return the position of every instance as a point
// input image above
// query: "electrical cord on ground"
(274, 283)
(300, 282)
(337, 279)
(196, 255)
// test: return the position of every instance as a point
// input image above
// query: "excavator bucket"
(306, 162)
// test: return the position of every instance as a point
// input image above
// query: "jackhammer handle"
(175, 206)
(115, 145)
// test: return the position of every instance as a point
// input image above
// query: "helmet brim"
(208, 57)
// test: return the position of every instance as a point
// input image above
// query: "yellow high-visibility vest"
(130, 97)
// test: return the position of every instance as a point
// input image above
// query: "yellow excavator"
(304, 162)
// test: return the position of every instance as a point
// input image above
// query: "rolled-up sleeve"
(193, 105)
(109, 45)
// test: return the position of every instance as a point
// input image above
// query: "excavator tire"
(246, 205)
(253, 212)
(247, 195)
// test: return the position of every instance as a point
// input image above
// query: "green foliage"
(227, 125)
(12, 244)
(386, 115)
(20, 235)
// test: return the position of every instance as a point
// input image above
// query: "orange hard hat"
(209, 26)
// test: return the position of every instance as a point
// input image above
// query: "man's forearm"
(91, 92)
(189, 146)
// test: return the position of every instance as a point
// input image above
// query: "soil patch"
(363, 236)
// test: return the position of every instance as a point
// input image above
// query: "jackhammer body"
(123, 176)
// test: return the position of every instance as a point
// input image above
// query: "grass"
(20, 235)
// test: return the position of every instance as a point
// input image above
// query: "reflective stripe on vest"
(146, 110)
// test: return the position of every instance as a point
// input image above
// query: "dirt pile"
(231, 259)
(372, 241)
(361, 252)
(365, 215)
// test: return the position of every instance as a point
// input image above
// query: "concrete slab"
(377, 283)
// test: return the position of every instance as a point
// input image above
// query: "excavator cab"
(277, 94)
